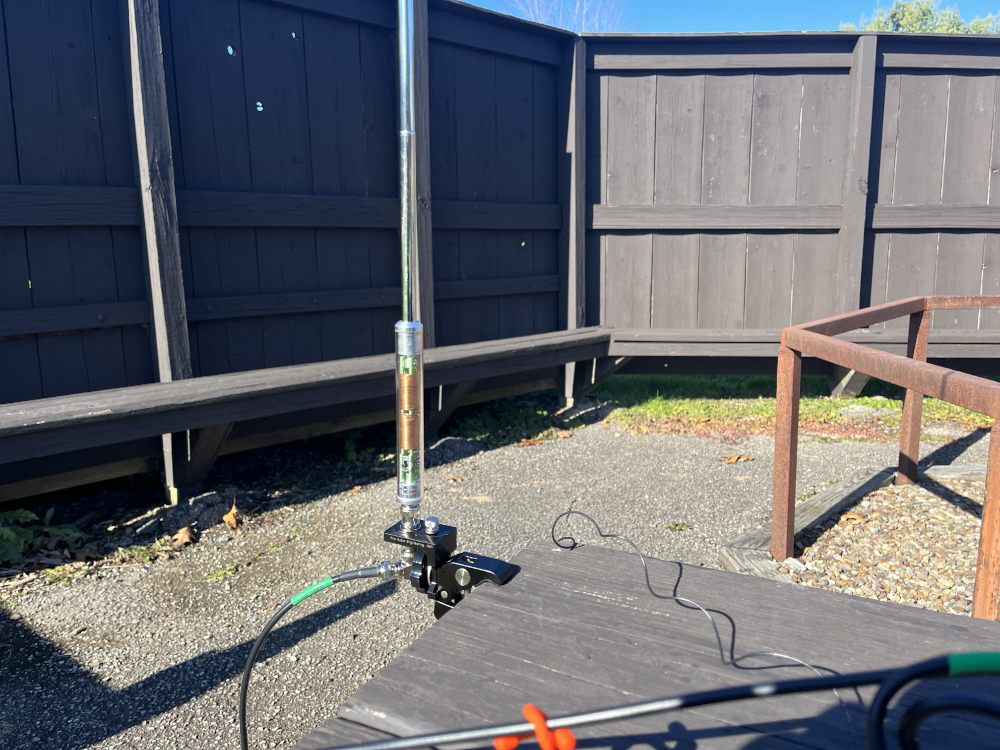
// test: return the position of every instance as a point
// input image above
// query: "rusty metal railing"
(920, 379)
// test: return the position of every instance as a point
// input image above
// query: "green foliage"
(144, 553)
(352, 453)
(925, 16)
(678, 526)
(221, 574)
(16, 538)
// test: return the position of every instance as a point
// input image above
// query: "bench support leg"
(448, 398)
(590, 374)
(193, 466)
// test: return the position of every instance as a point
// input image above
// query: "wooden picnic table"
(577, 630)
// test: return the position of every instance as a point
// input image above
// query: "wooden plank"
(334, 78)
(75, 318)
(935, 217)
(816, 257)
(477, 215)
(202, 208)
(62, 205)
(496, 287)
(675, 281)
(337, 732)
(751, 562)
(631, 656)
(923, 109)
(576, 200)
(156, 182)
(192, 470)
(680, 128)
(631, 136)
(476, 119)
(930, 61)
(855, 189)
(723, 62)
(822, 151)
(728, 105)
(722, 261)
(712, 217)
(377, 14)
(722, 276)
(49, 426)
(769, 280)
(422, 164)
(548, 310)
(628, 280)
(450, 399)
(774, 148)
(483, 35)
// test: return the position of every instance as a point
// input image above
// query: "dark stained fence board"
(156, 183)
(59, 205)
(376, 12)
(83, 317)
(716, 217)
(628, 280)
(203, 208)
(674, 281)
(931, 60)
(475, 215)
(854, 193)
(936, 217)
(769, 280)
(471, 32)
(722, 62)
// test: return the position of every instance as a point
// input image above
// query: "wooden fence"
(199, 187)
(754, 182)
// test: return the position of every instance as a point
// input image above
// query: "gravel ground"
(151, 657)
(912, 544)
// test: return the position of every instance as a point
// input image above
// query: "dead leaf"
(356, 488)
(232, 517)
(450, 478)
(564, 433)
(852, 516)
(183, 537)
(736, 458)
(478, 498)
(525, 442)
(742, 478)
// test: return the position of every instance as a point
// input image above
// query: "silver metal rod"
(407, 167)
(408, 331)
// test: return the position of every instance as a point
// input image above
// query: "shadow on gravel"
(50, 701)
(947, 453)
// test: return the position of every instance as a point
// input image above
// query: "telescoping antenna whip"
(428, 557)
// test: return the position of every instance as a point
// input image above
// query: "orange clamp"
(560, 739)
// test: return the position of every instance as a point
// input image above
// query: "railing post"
(786, 438)
(986, 600)
(913, 403)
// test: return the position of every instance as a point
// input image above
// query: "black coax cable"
(252, 659)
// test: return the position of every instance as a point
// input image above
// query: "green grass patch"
(144, 553)
(221, 574)
(649, 403)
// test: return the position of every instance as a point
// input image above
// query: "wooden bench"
(261, 407)
(577, 630)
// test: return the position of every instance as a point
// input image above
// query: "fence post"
(913, 403)
(851, 239)
(573, 195)
(986, 599)
(171, 347)
(786, 437)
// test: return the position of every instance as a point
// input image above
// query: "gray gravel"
(152, 657)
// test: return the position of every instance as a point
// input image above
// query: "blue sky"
(745, 15)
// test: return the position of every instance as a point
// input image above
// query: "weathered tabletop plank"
(577, 630)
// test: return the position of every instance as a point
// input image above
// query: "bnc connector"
(390, 570)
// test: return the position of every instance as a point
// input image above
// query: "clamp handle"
(560, 739)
